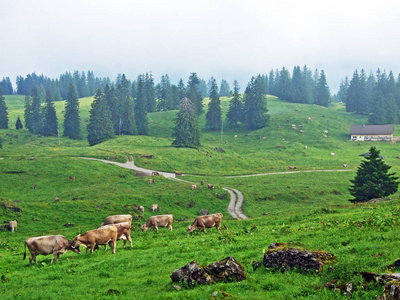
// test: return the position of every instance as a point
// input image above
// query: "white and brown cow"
(117, 219)
(158, 221)
(155, 207)
(141, 209)
(13, 225)
(50, 244)
(101, 236)
(124, 232)
(207, 221)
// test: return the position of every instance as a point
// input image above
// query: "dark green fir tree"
(36, 112)
(255, 105)
(50, 122)
(3, 112)
(72, 120)
(186, 131)
(18, 124)
(28, 112)
(322, 93)
(235, 112)
(373, 179)
(213, 116)
(100, 127)
(140, 107)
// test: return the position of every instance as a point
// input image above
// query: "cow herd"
(113, 229)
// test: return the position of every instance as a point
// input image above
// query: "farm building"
(371, 132)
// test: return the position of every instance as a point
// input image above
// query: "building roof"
(371, 129)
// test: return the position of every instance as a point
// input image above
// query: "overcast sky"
(225, 39)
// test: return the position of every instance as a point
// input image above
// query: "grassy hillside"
(309, 209)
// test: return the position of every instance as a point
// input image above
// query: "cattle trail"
(234, 208)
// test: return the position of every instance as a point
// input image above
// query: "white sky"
(220, 38)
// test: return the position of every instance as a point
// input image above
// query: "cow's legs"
(170, 227)
(54, 255)
(113, 244)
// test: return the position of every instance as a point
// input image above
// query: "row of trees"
(377, 96)
(6, 86)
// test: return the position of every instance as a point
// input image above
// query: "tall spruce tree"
(165, 101)
(322, 93)
(3, 111)
(50, 122)
(141, 107)
(114, 107)
(186, 131)
(100, 127)
(373, 179)
(225, 89)
(213, 116)
(28, 112)
(193, 93)
(235, 112)
(18, 124)
(72, 120)
(36, 112)
(150, 93)
(255, 107)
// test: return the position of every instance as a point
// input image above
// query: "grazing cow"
(117, 219)
(210, 186)
(325, 136)
(345, 165)
(141, 209)
(124, 232)
(71, 178)
(151, 181)
(193, 187)
(13, 225)
(158, 221)
(203, 182)
(155, 173)
(51, 244)
(292, 167)
(101, 236)
(326, 131)
(305, 147)
(264, 138)
(179, 173)
(333, 154)
(207, 221)
(56, 199)
(154, 207)
(34, 186)
(301, 131)
(235, 136)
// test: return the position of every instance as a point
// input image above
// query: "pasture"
(285, 207)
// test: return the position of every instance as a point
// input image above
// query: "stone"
(192, 273)
(280, 255)
(220, 150)
(392, 290)
(176, 287)
(226, 270)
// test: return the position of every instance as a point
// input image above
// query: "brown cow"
(154, 207)
(51, 244)
(141, 209)
(292, 167)
(155, 173)
(71, 178)
(345, 165)
(203, 182)
(210, 186)
(117, 219)
(13, 225)
(124, 232)
(34, 186)
(151, 181)
(193, 187)
(178, 174)
(207, 221)
(101, 236)
(158, 221)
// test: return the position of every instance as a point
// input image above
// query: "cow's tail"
(25, 251)
(224, 225)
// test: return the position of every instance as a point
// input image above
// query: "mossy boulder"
(192, 273)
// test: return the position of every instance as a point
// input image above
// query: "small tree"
(50, 122)
(186, 130)
(18, 124)
(372, 179)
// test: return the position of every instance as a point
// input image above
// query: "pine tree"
(165, 101)
(186, 130)
(140, 107)
(72, 121)
(150, 93)
(284, 86)
(322, 93)
(100, 127)
(372, 179)
(1, 145)
(36, 112)
(255, 107)
(114, 107)
(192, 93)
(18, 124)
(3, 111)
(235, 112)
(28, 112)
(213, 116)
(225, 89)
(50, 122)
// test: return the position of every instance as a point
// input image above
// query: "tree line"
(376, 96)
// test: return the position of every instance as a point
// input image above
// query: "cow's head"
(144, 227)
(76, 242)
(190, 229)
(76, 250)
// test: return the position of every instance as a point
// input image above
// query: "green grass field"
(310, 209)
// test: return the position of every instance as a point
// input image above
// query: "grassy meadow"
(307, 209)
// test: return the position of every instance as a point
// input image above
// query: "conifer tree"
(186, 131)
(322, 93)
(28, 112)
(3, 111)
(50, 122)
(373, 179)
(225, 89)
(150, 93)
(72, 121)
(213, 116)
(100, 127)
(192, 93)
(1, 145)
(36, 112)
(235, 112)
(125, 107)
(114, 107)
(165, 101)
(18, 124)
(140, 107)
(255, 107)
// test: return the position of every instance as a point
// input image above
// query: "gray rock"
(192, 273)
(226, 270)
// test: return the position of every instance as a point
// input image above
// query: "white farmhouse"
(371, 132)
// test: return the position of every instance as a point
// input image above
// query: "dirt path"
(235, 208)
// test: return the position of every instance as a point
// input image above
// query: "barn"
(371, 132)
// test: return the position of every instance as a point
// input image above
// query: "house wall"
(372, 138)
